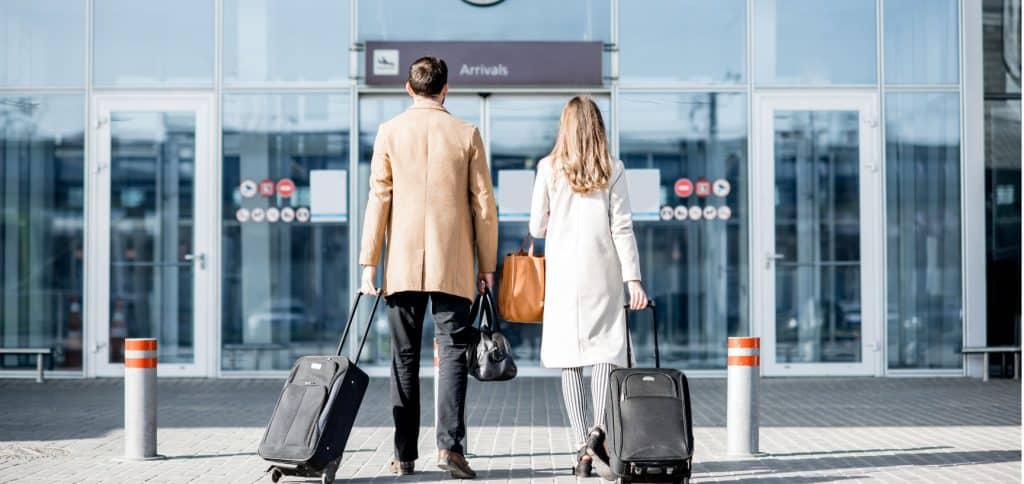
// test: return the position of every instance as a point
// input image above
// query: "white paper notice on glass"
(644, 193)
(328, 195)
(515, 191)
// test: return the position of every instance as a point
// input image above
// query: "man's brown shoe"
(455, 463)
(402, 468)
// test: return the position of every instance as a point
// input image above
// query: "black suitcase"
(315, 413)
(649, 426)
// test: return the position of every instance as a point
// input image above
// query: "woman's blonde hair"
(581, 149)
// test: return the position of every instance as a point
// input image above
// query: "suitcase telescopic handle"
(348, 325)
(654, 326)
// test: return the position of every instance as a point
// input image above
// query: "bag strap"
(483, 307)
(348, 325)
(528, 238)
(654, 327)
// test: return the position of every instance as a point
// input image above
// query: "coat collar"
(424, 103)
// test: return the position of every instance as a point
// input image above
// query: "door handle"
(770, 257)
(194, 258)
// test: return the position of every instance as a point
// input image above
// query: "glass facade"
(280, 41)
(682, 84)
(923, 230)
(807, 42)
(285, 290)
(34, 33)
(42, 192)
(693, 41)
(152, 43)
(695, 271)
(1002, 67)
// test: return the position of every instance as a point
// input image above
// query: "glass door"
(521, 130)
(151, 206)
(818, 240)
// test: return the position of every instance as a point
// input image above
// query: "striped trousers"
(577, 405)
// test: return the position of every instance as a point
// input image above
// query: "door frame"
(205, 229)
(872, 224)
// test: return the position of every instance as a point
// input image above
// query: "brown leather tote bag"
(521, 293)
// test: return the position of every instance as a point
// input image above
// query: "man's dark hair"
(428, 75)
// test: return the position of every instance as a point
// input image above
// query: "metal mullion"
(43, 89)
(498, 90)
(922, 87)
(282, 86)
(88, 355)
(215, 239)
(669, 87)
(883, 337)
(754, 295)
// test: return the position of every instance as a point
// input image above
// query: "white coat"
(590, 251)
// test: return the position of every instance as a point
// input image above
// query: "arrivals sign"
(490, 63)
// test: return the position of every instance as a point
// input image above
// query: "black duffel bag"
(490, 356)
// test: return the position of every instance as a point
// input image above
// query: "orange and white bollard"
(140, 399)
(744, 362)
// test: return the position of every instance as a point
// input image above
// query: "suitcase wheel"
(275, 474)
(327, 476)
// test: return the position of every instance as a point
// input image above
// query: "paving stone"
(813, 430)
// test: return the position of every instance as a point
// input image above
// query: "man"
(431, 199)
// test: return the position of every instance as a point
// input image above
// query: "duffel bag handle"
(654, 327)
(348, 325)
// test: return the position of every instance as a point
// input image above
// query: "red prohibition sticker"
(267, 188)
(684, 187)
(703, 188)
(285, 187)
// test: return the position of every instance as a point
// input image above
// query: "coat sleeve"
(621, 222)
(540, 206)
(378, 205)
(485, 212)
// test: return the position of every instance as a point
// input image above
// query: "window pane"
(36, 32)
(374, 110)
(921, 42)
(286, 41)
(1002, 45)
(817, 236)
(515, 20)
(42, 195)
(285, 278)
(697, 41)
(152, 195)
(1002, 220)
(814, 42)
(696, 270)
(152, 42)
(923, 180)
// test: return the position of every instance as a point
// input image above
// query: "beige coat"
(590, 250)
(432, 201)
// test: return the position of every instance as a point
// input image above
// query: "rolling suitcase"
(649, 426)
(315, 413)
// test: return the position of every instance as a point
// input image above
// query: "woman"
(581, 206)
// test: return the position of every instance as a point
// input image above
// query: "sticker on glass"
(273, 214)
(666, 212)
(710, 212)
(695, 213)
(724, 212)
(247, 188)
(302, 214)
(287, 214)
(721, 188)
(257, 214)
(242, 215)
(681, 212)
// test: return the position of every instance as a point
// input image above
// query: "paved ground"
(847, 430)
